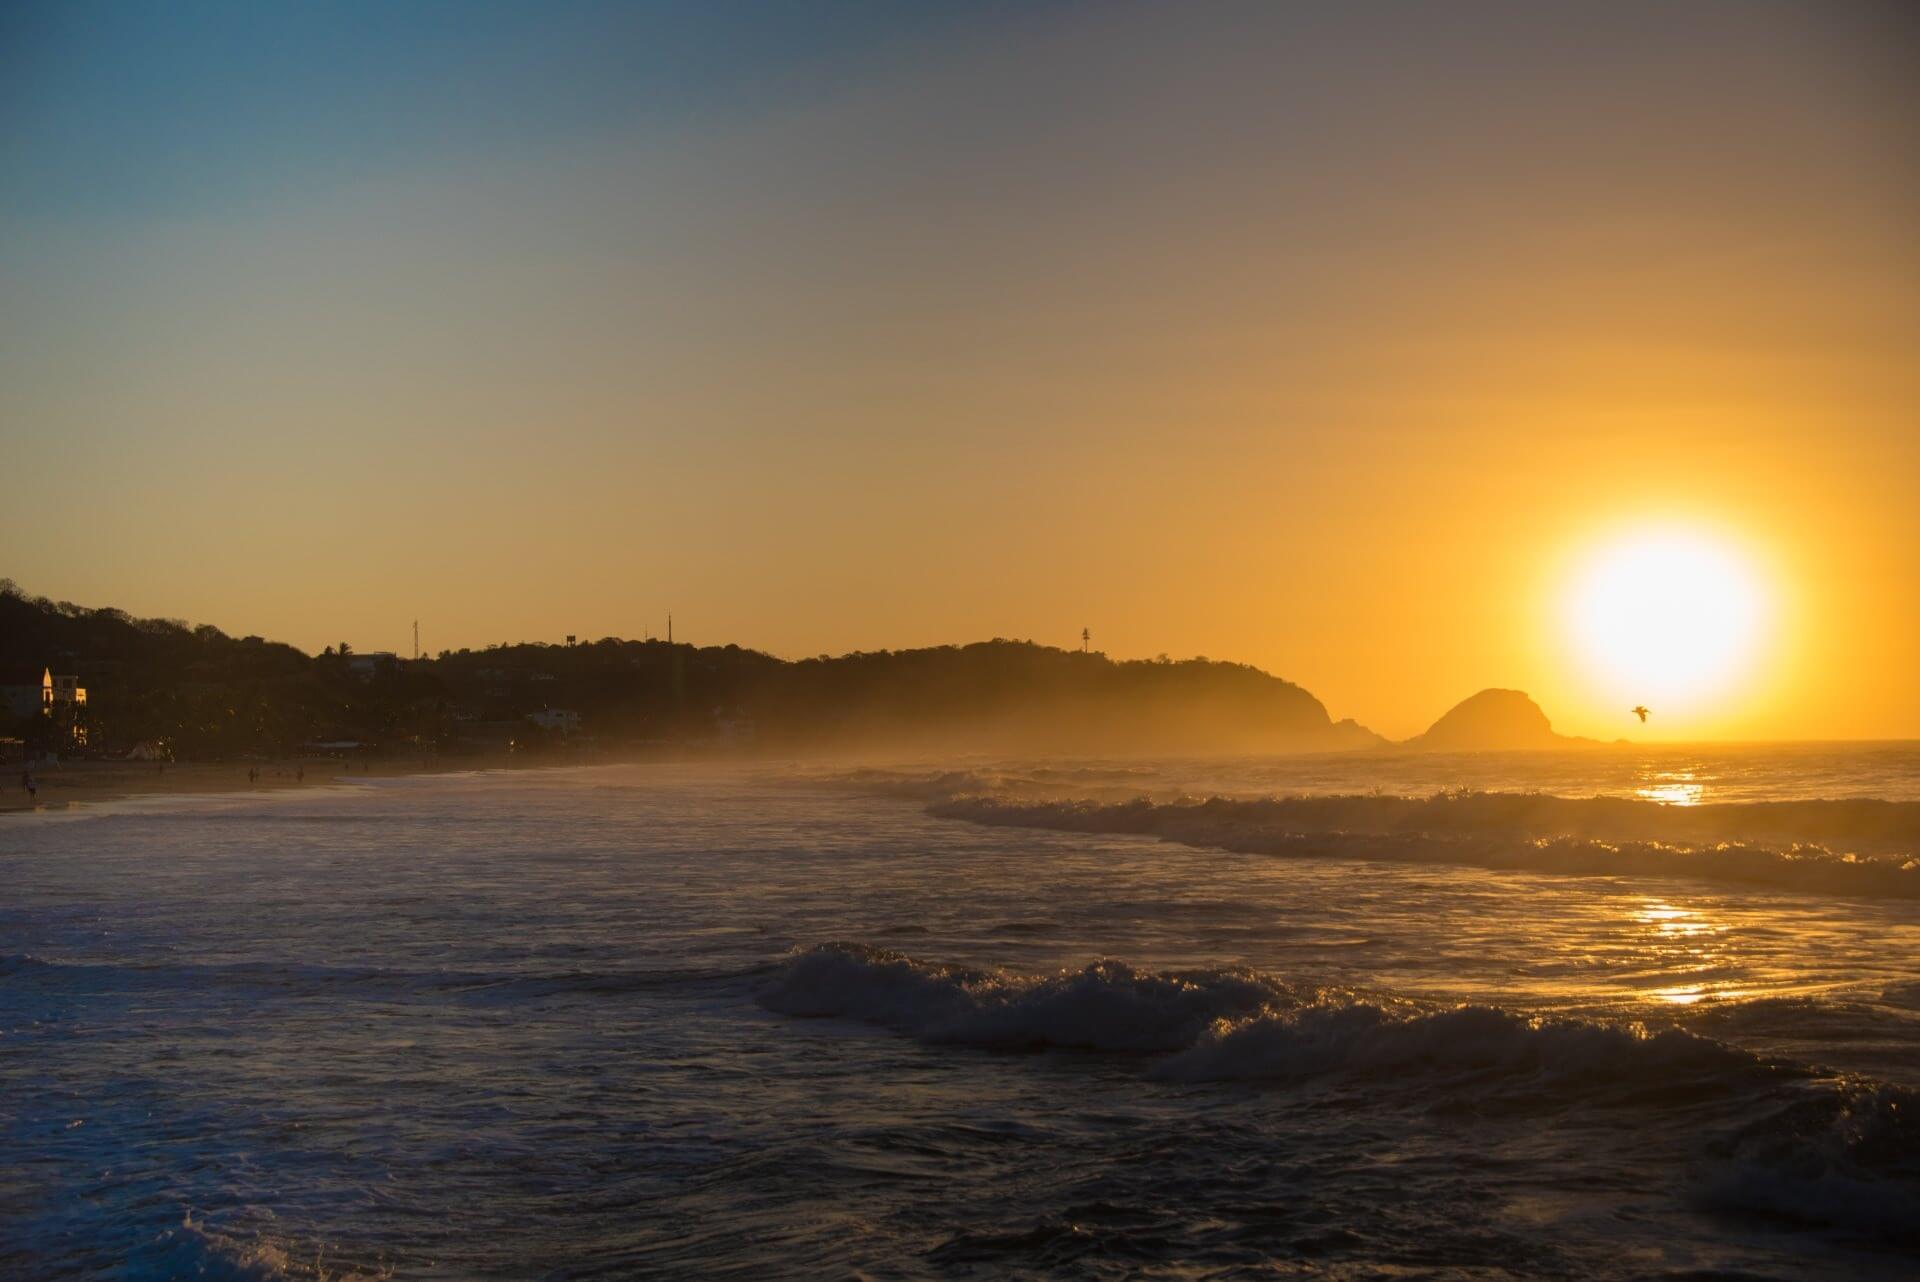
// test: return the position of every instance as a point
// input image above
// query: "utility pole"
(416, 639)
(669, 627)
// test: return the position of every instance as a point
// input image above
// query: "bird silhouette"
(1641, 712)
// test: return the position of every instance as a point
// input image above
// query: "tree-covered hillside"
(208, 695)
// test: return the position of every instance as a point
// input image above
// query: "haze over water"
(765, 1021)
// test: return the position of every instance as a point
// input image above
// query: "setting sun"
(1669, 617)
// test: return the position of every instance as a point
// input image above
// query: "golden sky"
(1327, 341)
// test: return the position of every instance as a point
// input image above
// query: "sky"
(1332, 339)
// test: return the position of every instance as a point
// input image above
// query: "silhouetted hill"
(1491, 721)
(195, 690)
(1018, 695)
(205, 694)
(988, 696)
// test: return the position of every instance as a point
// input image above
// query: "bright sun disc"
(1667, 618)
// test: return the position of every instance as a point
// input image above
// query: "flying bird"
(1641, 712)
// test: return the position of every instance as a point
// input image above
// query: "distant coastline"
(123, 688)
(162, 706)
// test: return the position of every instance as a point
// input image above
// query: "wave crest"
(1218, 1025)
(1594, 836)
(1846, 1159)
(1840, 1155)
(1108, 1005)
(1363, 1037)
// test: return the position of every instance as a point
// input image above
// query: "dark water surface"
(651, 1021)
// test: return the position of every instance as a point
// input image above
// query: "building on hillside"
(59, 697)
(66, 703)
(62, 693)
(565, 720)
(366, 666)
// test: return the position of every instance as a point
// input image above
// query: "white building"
(565, 720)
(61, 695)
(365, 665)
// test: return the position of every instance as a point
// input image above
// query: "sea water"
(1357, 1016)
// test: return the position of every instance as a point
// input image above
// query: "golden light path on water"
(1679, 936)
(1673, 788)
(1675, 928)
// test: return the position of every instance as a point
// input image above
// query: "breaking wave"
(1847, 1158)
(1352, 1036)
(1107, 1006)
(1852, 847)
(1112, 783)
(1802, 1148)
(1229, 1024)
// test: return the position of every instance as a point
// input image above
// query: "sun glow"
(1666, 618)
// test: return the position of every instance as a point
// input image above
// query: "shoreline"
(74, 784)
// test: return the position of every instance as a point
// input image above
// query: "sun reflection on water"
(1672, 788)
(1673, 923)
(1683, 940)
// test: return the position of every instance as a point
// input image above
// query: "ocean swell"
(1871, 851)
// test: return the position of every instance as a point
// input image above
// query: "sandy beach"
(74, 783)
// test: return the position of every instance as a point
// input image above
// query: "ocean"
(1614, 1013)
